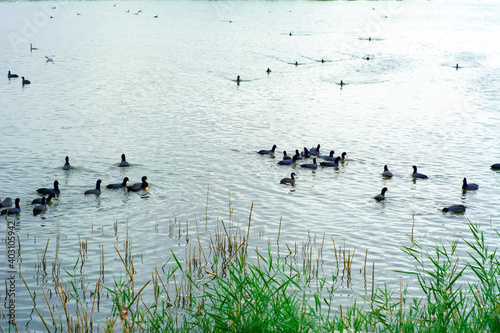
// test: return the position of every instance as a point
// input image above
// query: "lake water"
(162, 90)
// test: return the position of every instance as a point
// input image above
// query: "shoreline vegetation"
(229, 288)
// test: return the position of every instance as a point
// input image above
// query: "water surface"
(163, 91)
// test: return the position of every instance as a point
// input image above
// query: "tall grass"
(233, 292)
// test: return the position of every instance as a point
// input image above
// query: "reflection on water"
(163, 91)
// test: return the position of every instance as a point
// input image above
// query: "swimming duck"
(38, 201)
(297, 155)
(306, 153)
(312, 165)
(67, 166)
(455, 209)
(139, 186)
(12, 211)
(471, 186)
(10, 76)
(331, 163)
(25, 81)
(290, 180)
(121, 185)
(123, 162)
(418, 175)
(54, 190)
(7, 202)
(40, 208)
(381, 196)
(386, 172)
(285, 156)
(268, 152)
(330, 157)
(343, 156)
(291, 161)
(97, 189)
(495, 166)
(315, 150)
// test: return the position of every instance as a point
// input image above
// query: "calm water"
(162, 91)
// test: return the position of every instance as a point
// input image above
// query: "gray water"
(163, 91)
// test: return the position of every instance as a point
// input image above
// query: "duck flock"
(50, 193)
(331, 160)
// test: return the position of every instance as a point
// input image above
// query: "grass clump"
(264, 297)
(231, 292)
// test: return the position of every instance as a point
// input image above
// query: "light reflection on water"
(162, 91)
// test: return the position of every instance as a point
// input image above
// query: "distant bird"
(156, 16)
(285, 156)
(124, 162)
(315, 150)
(25, 81)
(455, 209)
(139, 186)
(298, 155)
(331, 163)
(305, 153)
(12, 211)
(296, 63)
(381, 196)
(290, 180)
(330, 157)
(343, 156)
(67, 166)
(456, 67)
(40, 208)
(47, 191)
(418, 175)
(38, 201)
(268, 70)
(291, 161)
(312, 165)
(77, 13)
(238, 80)
(50, 59)
(10, 76)
(7, 202)
(342, 83)
(268, 152)
(386, 172)
(120, 185)
(97, 189)
(471, 186)
(33, 48)
(495, 166)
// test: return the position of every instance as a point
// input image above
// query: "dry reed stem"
(123, 262)
(34, 303)
(163, 284)
(44, 257)
(373, 278)
(93, 302)
(62, 296)
(48, 305)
